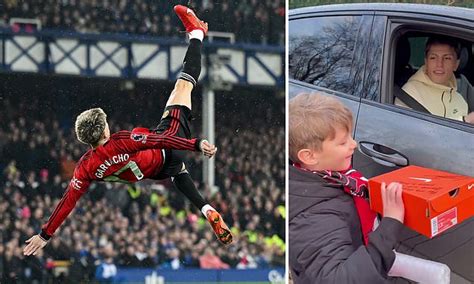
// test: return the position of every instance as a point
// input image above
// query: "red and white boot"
(189, 19)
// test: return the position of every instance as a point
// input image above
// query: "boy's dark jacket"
(325, 236)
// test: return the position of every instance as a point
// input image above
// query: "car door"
(326, 54)
(391, 137)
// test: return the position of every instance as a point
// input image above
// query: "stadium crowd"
(252, 21)
(151, 224)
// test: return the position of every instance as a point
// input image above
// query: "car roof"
(440, 10)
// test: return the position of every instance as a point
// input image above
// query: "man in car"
(434, 84)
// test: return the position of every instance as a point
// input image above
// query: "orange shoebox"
(434, 200)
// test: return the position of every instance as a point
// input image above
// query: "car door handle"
(382, 154)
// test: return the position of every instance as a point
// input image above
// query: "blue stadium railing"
(132, 56)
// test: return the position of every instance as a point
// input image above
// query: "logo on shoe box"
(422, 179)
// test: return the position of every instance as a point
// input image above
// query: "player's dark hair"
(443, 40)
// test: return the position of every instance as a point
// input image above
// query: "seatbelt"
(408, 100)
(466, 90)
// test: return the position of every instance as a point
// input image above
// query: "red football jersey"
(125, 157)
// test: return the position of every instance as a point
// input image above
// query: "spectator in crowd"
(173, 260)
(35, 268)
(82, 264)
(130, 258)
(211, 261)
(11, 264)
(107, 271)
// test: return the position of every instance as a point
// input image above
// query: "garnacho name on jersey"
(112, 161)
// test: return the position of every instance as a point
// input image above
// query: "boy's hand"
(207, 148)
(393, 206)
(35, 243)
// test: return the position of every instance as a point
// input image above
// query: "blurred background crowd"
(151, 224)
(251, 21)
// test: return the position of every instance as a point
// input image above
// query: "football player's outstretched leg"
(176, 120)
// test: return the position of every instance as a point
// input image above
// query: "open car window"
(410, 57)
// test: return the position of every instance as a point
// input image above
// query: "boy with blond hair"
(330, 219)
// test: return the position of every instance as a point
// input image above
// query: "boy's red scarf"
(356, 185)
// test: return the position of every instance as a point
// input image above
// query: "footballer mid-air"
(142, 153)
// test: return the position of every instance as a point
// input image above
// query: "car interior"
(409, 58)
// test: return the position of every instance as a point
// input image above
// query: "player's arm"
(76, 188)
(137, 141)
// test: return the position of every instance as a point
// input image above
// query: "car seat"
(403, 69)
(464, 86)
(403, 72)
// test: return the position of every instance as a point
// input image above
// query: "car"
(362, 54)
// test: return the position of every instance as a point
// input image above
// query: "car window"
(410, 57)
(374, 60)
(321, 51)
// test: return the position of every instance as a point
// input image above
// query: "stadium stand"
(151, 225)
(252, 21)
